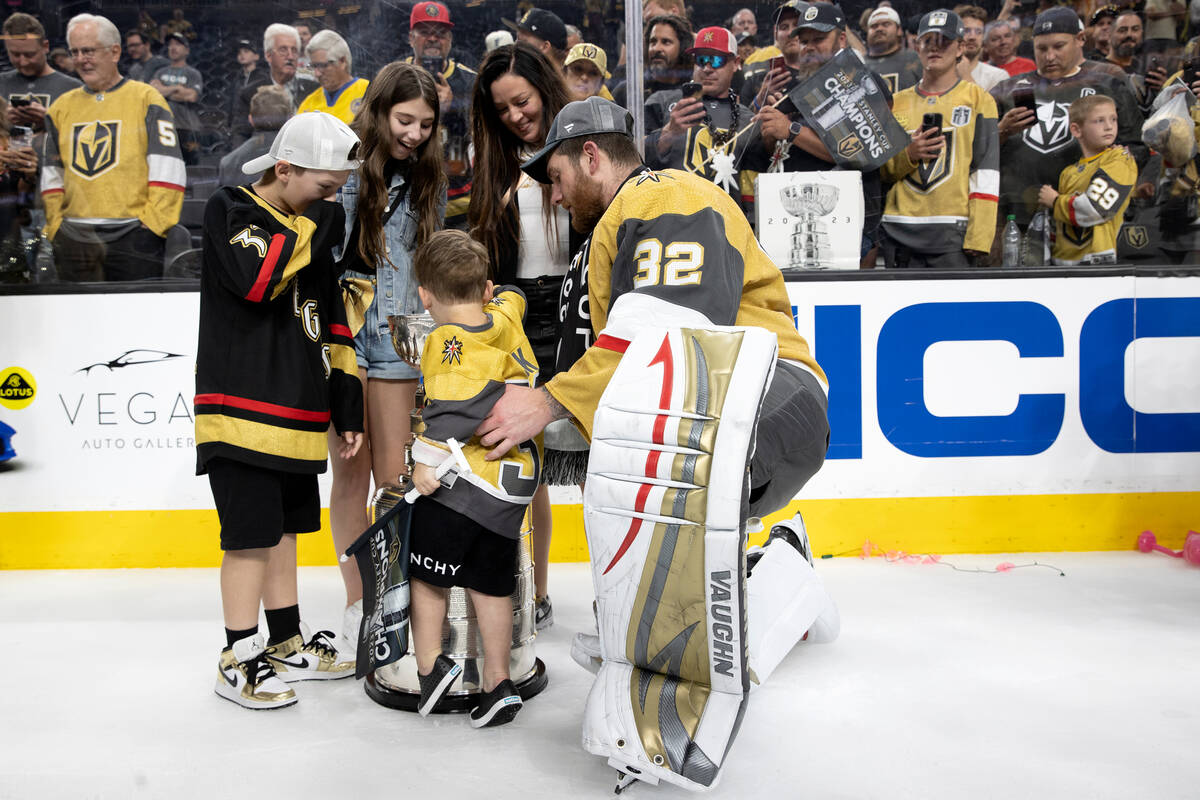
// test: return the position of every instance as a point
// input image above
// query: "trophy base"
(406, 700)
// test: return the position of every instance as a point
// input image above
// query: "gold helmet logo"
(1137, 236)
(850, 146)
(95, 147)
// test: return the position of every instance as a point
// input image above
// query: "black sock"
(232, 636)
(283, 623)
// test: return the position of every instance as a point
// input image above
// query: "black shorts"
(450, 549)
(257, 506)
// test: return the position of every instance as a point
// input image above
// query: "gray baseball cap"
(580, 118)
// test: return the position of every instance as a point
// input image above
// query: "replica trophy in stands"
(810, 238)
(395, 685)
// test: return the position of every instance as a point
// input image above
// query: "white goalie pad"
(663, 511)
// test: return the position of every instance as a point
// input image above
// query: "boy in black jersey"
(274, 366)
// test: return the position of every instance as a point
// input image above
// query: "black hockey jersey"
(901, 69)
(694, 151)
(1039, 154)
(275, 362)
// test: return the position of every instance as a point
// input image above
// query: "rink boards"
(972, 414)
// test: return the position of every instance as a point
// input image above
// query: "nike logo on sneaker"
(301, 664)
(231, 681)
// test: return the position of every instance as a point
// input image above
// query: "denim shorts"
(373, 343)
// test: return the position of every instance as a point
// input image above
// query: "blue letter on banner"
(903, 416)
(838, 343)
(1107, 332)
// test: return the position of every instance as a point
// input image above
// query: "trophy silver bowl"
(396, 685)
(408, 335)
(808, 202)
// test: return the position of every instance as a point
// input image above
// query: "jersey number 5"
(166, 133)
(684, 264)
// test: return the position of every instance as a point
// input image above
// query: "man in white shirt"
(971, 68)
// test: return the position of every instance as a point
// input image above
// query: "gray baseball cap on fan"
(313, 140)
(580, 118)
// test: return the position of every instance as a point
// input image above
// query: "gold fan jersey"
(671, 249)
(343, 104)
(1092, 196)
(466, 369)
(947, 204)
(112, 156)
(275, 363)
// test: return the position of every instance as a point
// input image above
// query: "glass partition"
(793, 153)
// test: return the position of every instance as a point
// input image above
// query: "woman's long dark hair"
(396, 83)
(493, 215)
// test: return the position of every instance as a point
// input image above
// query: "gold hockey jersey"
(947, 204)
(1092, 196)
(343, 104)
(112, 155)
(466, 370)
(673, 249)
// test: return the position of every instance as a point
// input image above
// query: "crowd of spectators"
(110, 141)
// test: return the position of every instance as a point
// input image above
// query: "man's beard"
(881, 47)
(588, 206)
(1126, 48)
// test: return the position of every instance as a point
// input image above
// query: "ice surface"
(943, 685)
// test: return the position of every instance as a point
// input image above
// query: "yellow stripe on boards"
(1020, 523)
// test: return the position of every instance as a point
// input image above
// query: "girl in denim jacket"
(394, 202)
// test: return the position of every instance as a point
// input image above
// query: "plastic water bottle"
(1012, 244)
(1033, 248)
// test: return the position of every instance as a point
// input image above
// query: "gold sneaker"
(315, 659)
(245, 676)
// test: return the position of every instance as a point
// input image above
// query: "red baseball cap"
(429, 12)
(714, 40)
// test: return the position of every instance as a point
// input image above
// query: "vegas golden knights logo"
(850, 146)
(95, 147)
(1137, 236)
(929, 174)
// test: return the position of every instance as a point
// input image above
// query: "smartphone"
(20, 136)
(435, 65)
(1153, 62)
(776, 63)
(1023, 97)
(932, 120)
(692, 89)
(1191, 71)
(18, 101)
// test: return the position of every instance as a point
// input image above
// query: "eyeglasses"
(715, 61)
(320, 65)
(430, 31)
(85, 52)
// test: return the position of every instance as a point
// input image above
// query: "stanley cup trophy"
(395, 685)
(810, 238)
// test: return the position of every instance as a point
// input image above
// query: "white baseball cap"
(497, 39)
(313, 140)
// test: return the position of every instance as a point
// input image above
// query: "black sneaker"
(435, 685)
(497, 707)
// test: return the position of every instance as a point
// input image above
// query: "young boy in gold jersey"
(1093, 193)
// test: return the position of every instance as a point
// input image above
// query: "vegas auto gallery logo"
(146, 407)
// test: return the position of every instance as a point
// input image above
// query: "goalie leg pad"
(793, 436)
(664, 513)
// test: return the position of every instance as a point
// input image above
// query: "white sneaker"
(245, 676)
(305, 658)
(585, 651)
(351, 622)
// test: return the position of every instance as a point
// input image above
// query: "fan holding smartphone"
(697, 122)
